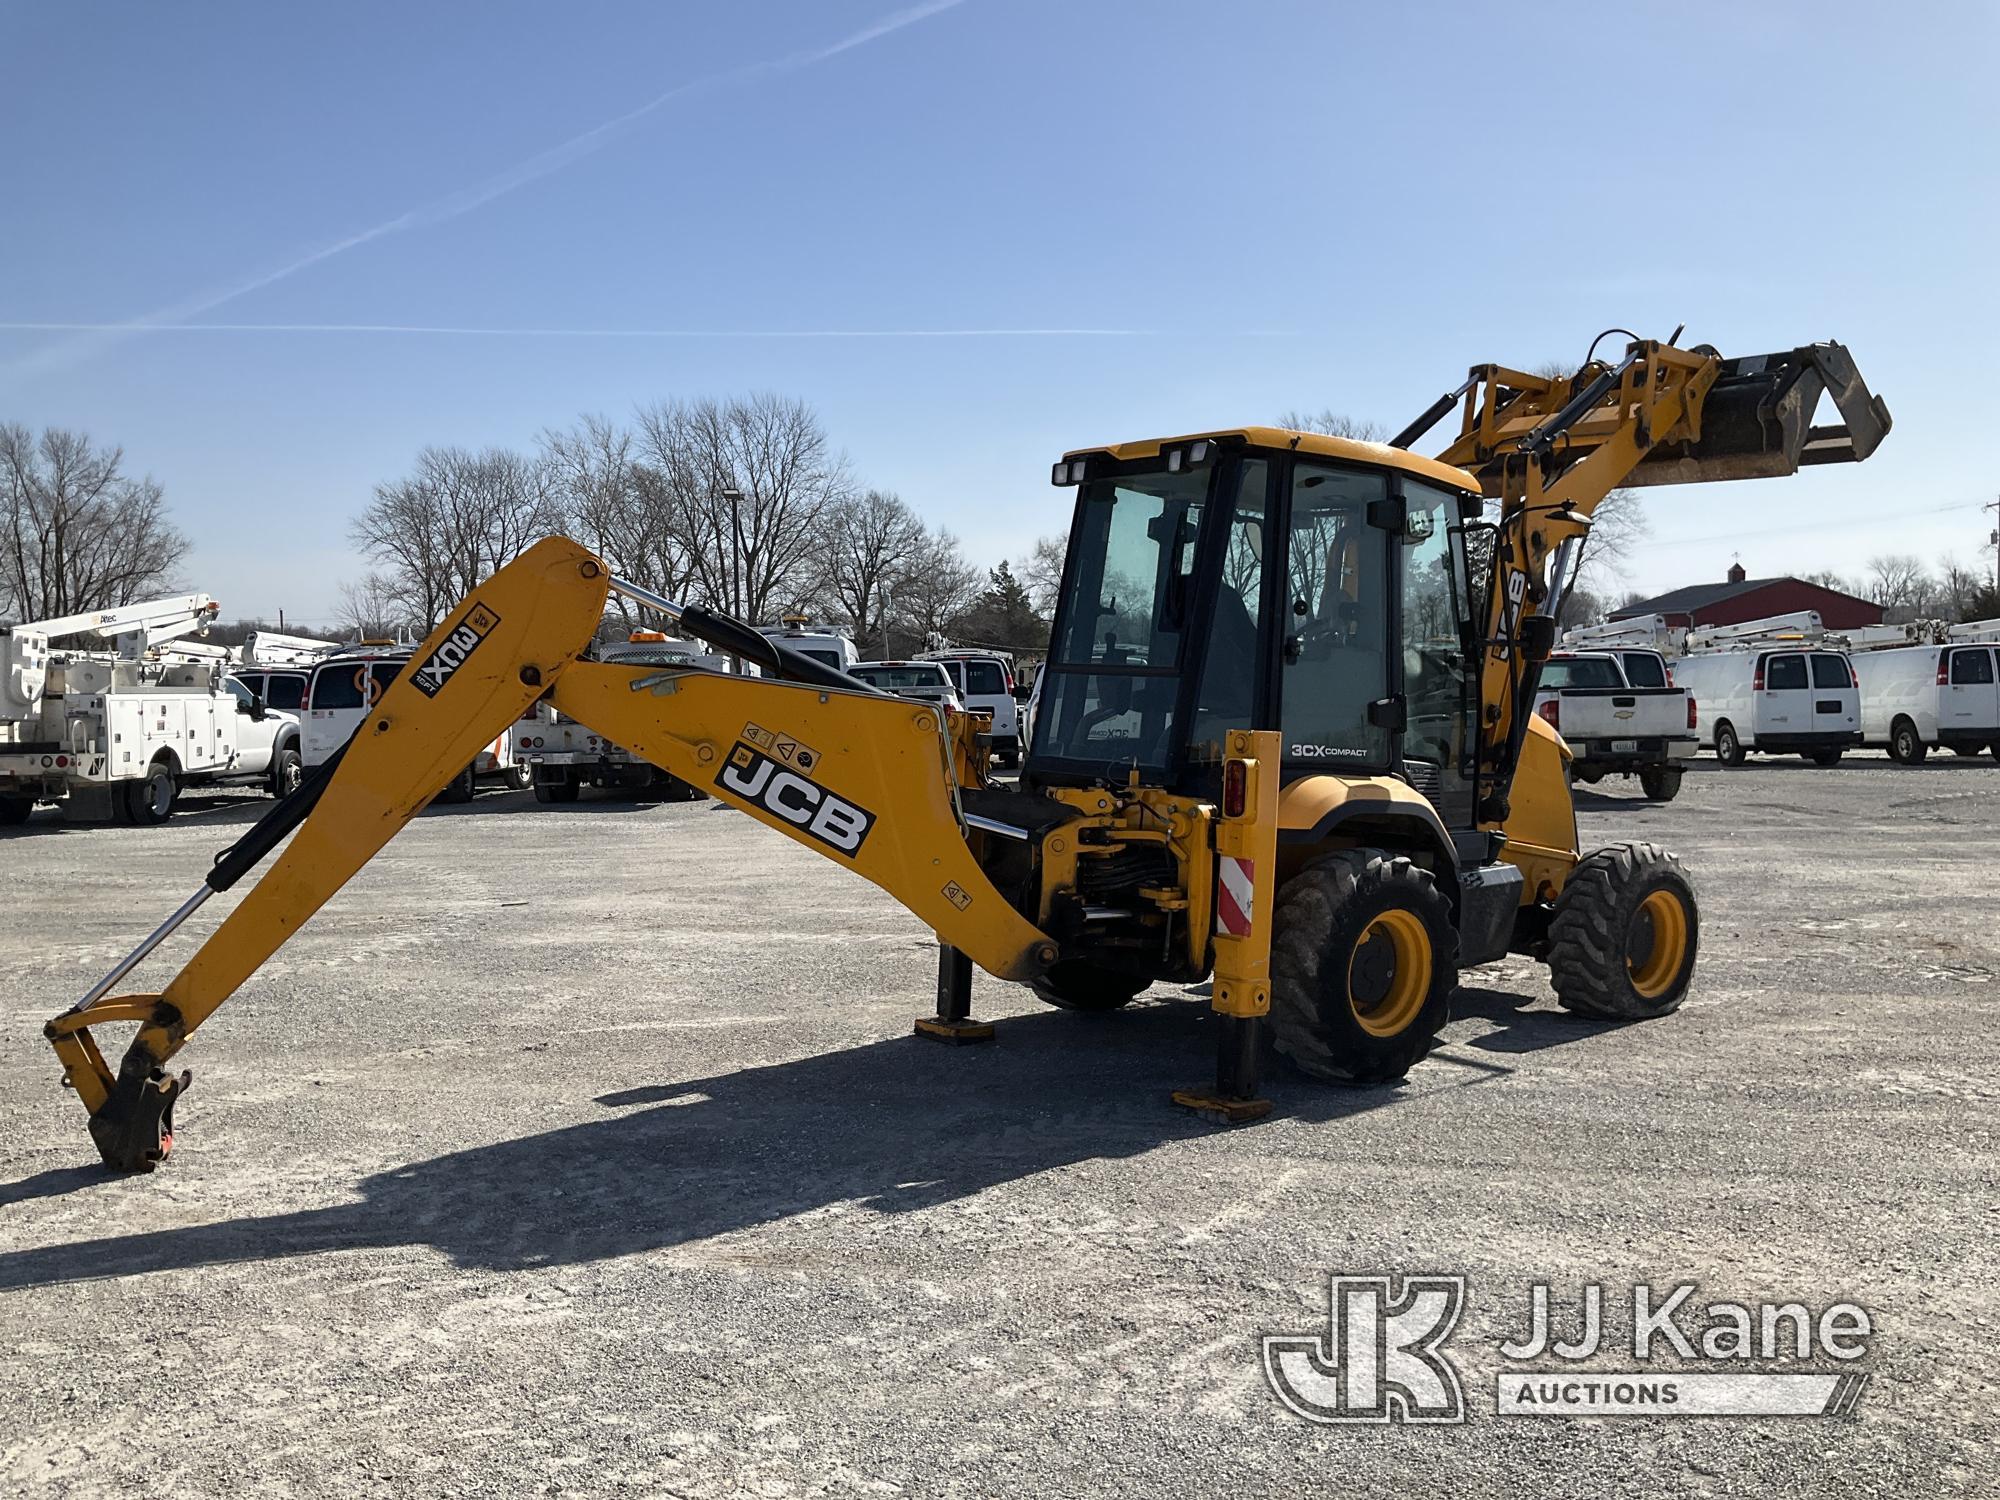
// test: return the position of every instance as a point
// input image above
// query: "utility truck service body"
(119, 734)
(563, 756)
(1795, 701)
(1615, 727)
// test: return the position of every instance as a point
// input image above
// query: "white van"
(985, 683)
(1801, 702)
(1914, 697)
(348, 683)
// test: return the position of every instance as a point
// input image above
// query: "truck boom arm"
(1550, 448)
(860, 777)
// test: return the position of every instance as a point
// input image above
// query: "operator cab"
(1263, 579)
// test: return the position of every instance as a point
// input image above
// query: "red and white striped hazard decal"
(1233, 898)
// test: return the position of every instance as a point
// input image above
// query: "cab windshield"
(1114, 668)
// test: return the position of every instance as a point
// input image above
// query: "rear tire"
(520, 778)
(14, 811)
(287, 771)
(1081, 985)
(1824, 757)
(1728, 748)
(1363, 964)
(1905, 747)
(1623, 940)
(150, 800)
(1660, 783)
(556, 791)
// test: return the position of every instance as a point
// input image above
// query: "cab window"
(286, 690)
(1785, 672)
(1644, 670)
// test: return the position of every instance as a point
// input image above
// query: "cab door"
(1969, 706)
(1785, 705)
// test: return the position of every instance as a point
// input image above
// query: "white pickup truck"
(1614, 726)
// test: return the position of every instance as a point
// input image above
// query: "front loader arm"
(1551, 448)
(860, 778)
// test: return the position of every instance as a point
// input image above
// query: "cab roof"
(1348, 450)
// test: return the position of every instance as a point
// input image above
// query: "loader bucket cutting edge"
(1757, 420)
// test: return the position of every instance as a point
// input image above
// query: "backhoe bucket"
(1757, 420)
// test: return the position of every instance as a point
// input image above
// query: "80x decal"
(784, 793)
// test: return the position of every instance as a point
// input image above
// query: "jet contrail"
(464, 200)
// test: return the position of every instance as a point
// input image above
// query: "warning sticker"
(957, 894)
(782, 748)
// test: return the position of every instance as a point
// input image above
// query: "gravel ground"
(586, 1150)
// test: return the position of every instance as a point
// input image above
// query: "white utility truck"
(1615, 726)
(827, 647)
(120, 734)
(563, 756)
(344, 686)
(1776, 686)
(1944, 692)
(985, 683)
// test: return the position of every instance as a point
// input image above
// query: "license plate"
(1624, 747)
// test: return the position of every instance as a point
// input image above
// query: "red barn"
(1743, 598)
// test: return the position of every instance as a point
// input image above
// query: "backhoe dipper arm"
(862, 778)
(1550, 448)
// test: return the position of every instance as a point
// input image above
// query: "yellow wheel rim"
(1389, 973)
(1656, 945)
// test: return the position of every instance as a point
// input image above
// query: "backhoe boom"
(863, 778)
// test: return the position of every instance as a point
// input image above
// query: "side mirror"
(1538, 638)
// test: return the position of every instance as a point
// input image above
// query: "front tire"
(1363, 964)
(1728, 748)
(14, 811)
(1905, 746)
(1660, 783)
(1081, 985)
(1623, 939)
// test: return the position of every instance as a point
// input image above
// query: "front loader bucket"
(1757, 420)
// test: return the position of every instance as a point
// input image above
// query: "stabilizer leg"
(953, 1022)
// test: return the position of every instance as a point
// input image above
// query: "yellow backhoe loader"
(1284, 741)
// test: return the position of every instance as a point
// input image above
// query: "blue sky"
(1282, 204)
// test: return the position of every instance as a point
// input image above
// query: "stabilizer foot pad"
(1220, 1111)
(954, 1033)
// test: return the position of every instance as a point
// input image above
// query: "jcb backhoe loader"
(1284, 741)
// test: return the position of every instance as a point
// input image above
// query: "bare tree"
(1897, 581)
(1331, 423)
(370, 608)
(939, 587)
(1041, 570)
(75, 533)
(454, 522)
(1958, 588)
(751, 480)
(872, 542)
(621, 508)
